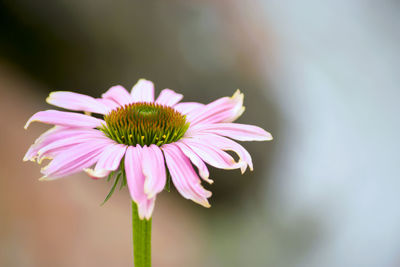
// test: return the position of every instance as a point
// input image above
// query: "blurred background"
(321, 76)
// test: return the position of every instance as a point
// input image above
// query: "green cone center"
(145, 124)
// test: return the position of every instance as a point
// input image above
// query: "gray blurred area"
(321, 76)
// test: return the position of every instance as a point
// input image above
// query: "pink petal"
(225, 109)
(119, 95)
(41, 141)
(111, 104)
(187, 107)
(201, 166)
(143, 91)
(52, 149)
(183, 175)
(241, 132)
(227, 145)
(154, 170)
(109, 161)
(75, 101)
(168, 97)
(213, 155)
(75, 159)
(67, 119)
(53, 135)
(135, 180)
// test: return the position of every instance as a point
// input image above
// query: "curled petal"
(187, 107)
(143, 91)
(241, 132)
(75, 159)
(154, 170)
(213, 155)
(118, 94)
(227, 145)
(201, 166)
(135, 179)
(168, 97)
(75, 101)
(225, 109)
(183, 175)
(67, 119)
(109, 160)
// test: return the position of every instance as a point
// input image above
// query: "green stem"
(141, 230)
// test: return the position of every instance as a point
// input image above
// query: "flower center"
(145, 124)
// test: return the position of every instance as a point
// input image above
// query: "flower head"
(139, 137)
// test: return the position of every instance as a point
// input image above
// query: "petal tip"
(208, 180)
(241, 111)
(96, 174)
(44, 178)
(42, 170)
(205, 204)
(28, 123)
(40, 160)
(238, 96)
(26, 158)
(49, 98)
(266, 136)
(144, 80)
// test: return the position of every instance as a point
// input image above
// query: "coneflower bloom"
(142, 139)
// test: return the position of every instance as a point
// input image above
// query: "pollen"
(145, 123)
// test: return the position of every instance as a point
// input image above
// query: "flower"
(139, 137)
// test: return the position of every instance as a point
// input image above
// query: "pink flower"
(139, 137)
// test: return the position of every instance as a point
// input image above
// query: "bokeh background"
(322, 76)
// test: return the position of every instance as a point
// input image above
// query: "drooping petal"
(154, 170)
(212, 155)
(225, 109)
(241, 132)
(184, 176)
(227, 145)
(135, 180)
(201, 166)
(41, 141)
(55, 134)
(143, 91)
(168, 97)
(63, 118)
(75, 101)
(187, 107)
(118, 94)
(75, 159)
(109, 160)
(61, 144)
